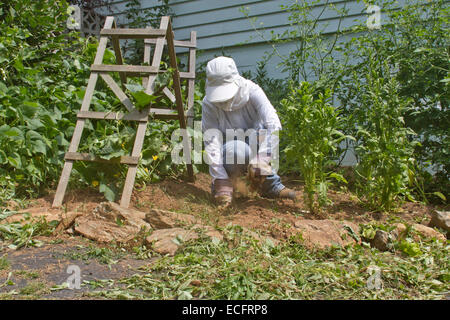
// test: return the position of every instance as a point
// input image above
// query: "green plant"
(311, 57)
(413, 40)
(22, 234)
(43, 76)
(4, 263)
(385, 146)
(312, 129)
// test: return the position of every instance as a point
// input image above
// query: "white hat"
(221, 74)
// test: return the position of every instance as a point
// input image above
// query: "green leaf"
(107, 191)
(338, 177)
(15, 161)
(38, 146)
(138, 92)
(440, 195)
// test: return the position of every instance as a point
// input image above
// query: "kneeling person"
(232, 103)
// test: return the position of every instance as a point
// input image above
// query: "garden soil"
(169, 206)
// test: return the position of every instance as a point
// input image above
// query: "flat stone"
(163, 240)
(50, 214)
(440, 219)
(325, 233)
(104, 231)
(427, 232)
(113, 212)
(163, 219)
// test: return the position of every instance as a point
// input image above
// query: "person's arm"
(271, 123)
(213, 142)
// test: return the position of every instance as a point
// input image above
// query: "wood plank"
(118, 53)
(157, 55)
(147, 55)
(132, 116)
(132, 169)
(124, 68)
(125, 33)
(179, 99)
(177, 43)
(90, 157)
(187, 75)
(62, 184)
(169, 94)
(118, 92)
(191, 83)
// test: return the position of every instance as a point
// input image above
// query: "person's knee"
(236, 155)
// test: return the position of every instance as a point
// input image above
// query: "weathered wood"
(118, 53)
(128, 69)
(147, 54)
(191, 83)
(142, 127)
(133, 33)
(94, 158)
(132, 116)
(187, 75)
(169, 94)
(177, 43)
(64, 179)
(179, 99)
(117, 91)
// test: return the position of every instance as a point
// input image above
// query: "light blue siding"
(222, 27)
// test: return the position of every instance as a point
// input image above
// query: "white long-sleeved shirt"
(257, 114)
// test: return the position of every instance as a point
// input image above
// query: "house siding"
(223, 29)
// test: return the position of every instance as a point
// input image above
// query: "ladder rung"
(134, 116)
(90, 157)
(177, 43)
(124, 68)
(163, 113)
(187, 75)
(133, 33)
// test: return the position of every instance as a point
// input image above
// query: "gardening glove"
(258, 170)
(223, 192)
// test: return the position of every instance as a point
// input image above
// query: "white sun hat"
(221, 74)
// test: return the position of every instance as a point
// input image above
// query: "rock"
(208, 231)
(440, 219)
(382, 241)
(67, 220)
(163, 240)
(399, 231)
(110, 222)
(325, 233)
(427, 232)
(104, 231)
(163, 219)
(49, 214)
(113, 212)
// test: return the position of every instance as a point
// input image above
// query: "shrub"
(311, 127)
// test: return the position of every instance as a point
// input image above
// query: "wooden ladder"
(158, 37)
